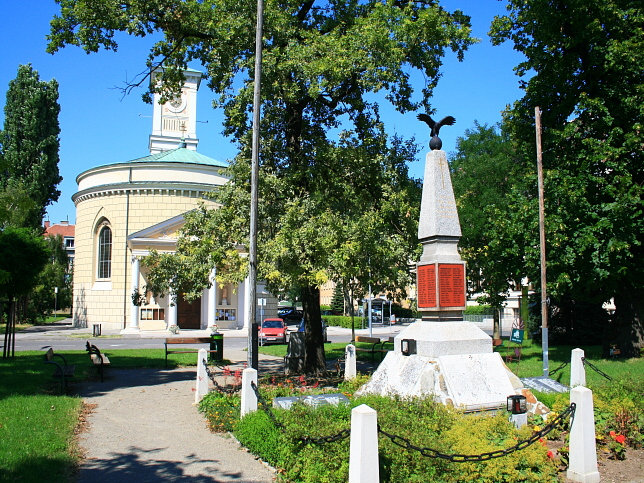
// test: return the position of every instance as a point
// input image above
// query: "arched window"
(104, 264)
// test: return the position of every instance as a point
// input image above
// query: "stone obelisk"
(440, 273)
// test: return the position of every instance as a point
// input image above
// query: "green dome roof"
(180, 155)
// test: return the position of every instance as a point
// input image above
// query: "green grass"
(37, 422)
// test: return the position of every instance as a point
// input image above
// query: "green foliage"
(588, 83)
(425, 423)
(221, 410)
(342, 205)
(478, 310)
(29, 147)
(42, 299)
(23, 253)
(337, 302)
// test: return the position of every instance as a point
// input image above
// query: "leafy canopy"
(29, 147)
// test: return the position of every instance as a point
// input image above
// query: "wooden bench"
(374, 349)
(63, 371)
(185, 341)
(99, 360)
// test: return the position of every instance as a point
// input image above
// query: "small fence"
(364, 430)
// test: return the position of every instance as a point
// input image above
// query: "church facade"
(126, 209)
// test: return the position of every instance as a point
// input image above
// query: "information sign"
(426, 286)
(516, 336)
(451, 283)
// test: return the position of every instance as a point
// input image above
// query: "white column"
(172, 309)
(201, 388)
(349, 362)
(363, 452)
(577, 371)
(248, 396)
(582, 464)
(133, 326)
(212, 298)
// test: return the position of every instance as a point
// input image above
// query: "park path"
(144, 427)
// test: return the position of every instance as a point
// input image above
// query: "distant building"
(126, 209)
(66, 231)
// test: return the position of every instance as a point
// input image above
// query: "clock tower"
(175, 122)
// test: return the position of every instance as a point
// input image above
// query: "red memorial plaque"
(426, 285)
(451, 285)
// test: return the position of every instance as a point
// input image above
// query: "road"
(63, 336)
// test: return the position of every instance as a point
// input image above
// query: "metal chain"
(460, 458)
(554, 371)
(598, 371)
(345, 433)
(305, 439)
(219, 388)
(265, 407)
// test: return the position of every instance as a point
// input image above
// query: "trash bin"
(96, 330)
(217, 345)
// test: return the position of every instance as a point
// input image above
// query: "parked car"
(302, 327)
(272, 330)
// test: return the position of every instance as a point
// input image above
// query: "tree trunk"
(628, 326)
(314, 359)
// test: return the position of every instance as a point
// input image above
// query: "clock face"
(177, 104)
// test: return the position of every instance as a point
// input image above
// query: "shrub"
(221, 410)
(424, 422)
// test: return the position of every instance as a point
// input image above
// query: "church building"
(126, 209)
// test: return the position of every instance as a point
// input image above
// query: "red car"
(272, 330)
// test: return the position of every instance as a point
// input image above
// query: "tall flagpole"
(542, 245)
(254, 179)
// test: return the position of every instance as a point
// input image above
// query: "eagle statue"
(435, 142)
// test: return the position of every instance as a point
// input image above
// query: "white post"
(248, 397)
(212, 298)
(172, 309)
(202, 377)
(363, 452)
(582, 464)
(350, 362)
(577, 371)
(134, 309)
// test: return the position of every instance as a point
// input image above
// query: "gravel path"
(145, 428)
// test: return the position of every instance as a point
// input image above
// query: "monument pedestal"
(452, 362)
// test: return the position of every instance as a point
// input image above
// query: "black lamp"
(516, 404)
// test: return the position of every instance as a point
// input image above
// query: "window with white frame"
(104, 260)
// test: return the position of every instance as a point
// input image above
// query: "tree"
(29, 142)
(483, 173)
(55, 274)
(321, 63)
(23, 253)
(586, 59)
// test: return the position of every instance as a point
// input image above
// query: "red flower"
(550, 454)
(620, 438)
(612, 434)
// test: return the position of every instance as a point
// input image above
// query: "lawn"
(37, 422)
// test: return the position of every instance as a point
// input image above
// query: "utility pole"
(253, 360)
(542, 245)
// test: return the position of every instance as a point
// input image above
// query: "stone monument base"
(453, 363)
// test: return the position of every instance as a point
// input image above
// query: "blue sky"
(100, 126)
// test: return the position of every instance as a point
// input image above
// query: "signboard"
(451, 283)
(517, 336)
(426, 285)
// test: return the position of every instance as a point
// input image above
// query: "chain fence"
(461, 458)
(555, 371)
(218, 387)
(425, 451)
(594, 368)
